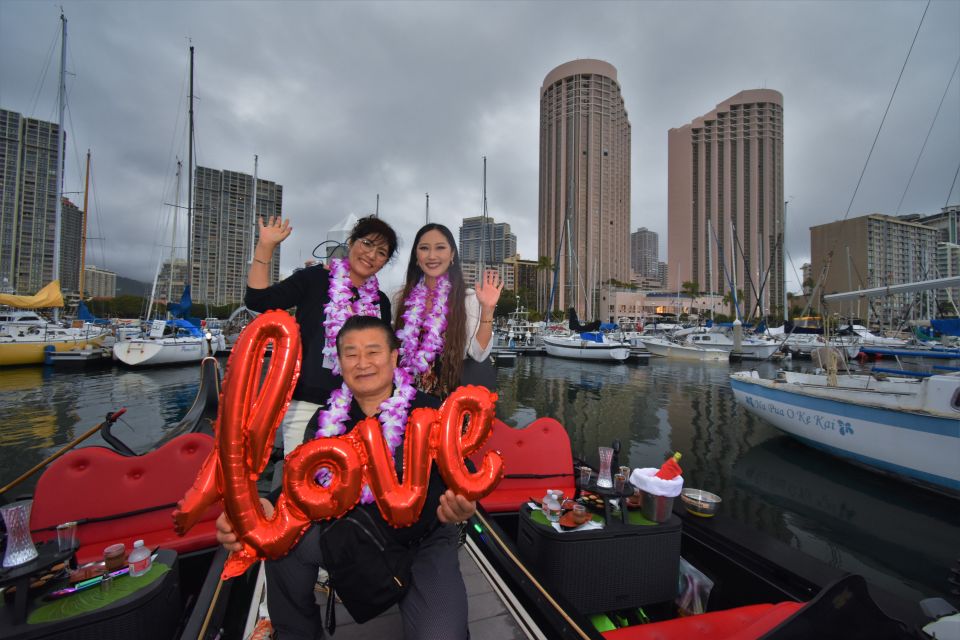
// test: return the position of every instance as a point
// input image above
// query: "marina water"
(899, 537)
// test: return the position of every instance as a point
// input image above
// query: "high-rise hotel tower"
(225, 232)
(725, 200)
(584, 183)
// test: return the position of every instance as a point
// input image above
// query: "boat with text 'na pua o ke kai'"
(905, 426)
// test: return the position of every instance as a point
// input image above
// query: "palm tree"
(544, 264)
(728, 300)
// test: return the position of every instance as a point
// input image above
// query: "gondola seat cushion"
(96, 482)
(742, 623)
(535, 459)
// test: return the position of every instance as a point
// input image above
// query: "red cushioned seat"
(742, 623)
(95, 482)
(535, 458)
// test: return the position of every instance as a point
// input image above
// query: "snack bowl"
(700, 503)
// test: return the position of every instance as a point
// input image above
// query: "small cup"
(114, 557)
(580, 513)
(66, 536)
(585, 474)
(625, 471)
(619, 481)
(106, 584)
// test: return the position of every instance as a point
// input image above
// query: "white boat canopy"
(877, 292)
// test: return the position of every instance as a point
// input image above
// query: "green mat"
(92, 599)
(634, 516)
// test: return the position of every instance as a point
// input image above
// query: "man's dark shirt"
(435, 489)
(307, 290)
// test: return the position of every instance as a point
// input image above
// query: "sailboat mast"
(253, 211)
(173, 237)
(483, 222)
(427, 211)
(190, 183)
(83, 232)
(61, 153)
(710, 265)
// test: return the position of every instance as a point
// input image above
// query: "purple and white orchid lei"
(341, 306)
(418, 349)
(392, 416)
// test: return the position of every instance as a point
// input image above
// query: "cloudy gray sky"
(342, 101)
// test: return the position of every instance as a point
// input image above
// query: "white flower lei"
(419, 349)
(341, 306)
(392, 417)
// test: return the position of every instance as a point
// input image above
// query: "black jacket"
(307, 290)
(436, 488)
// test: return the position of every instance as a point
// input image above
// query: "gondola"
(761, 588)
(116, 495)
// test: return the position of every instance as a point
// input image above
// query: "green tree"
(728, 300)
(690, 288)
(544, 265)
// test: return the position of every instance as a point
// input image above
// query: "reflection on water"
(898, 536)
(44, 410)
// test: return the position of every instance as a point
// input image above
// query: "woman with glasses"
(439, 321)
(324, 298)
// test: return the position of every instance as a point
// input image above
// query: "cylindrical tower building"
(584, 211)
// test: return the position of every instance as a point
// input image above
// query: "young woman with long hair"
(324, 300)
(440, 321)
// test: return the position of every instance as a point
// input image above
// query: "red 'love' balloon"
(249, 416)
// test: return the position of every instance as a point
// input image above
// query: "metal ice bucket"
(656, 508)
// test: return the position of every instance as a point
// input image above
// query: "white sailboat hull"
(668, 349)
(149, 352)
(907, 427)
(574, 347)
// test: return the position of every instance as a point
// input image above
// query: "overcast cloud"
(342, 101)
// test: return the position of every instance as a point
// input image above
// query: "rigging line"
(96, 206)
(96, 210)
(929, 131)
(746, 274)
(885, 112)
(871, 302)
(38, 89)
(955, 174)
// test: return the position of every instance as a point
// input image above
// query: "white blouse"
(471, 324)
(474, 350)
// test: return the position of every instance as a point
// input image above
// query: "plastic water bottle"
(551, 507)
(139, 559)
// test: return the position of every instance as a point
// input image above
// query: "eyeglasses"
(369, 246)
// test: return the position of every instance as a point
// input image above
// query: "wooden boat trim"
(526, 572)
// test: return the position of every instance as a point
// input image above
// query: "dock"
(488, 617)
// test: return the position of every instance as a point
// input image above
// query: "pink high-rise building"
(584, 180)
(725, 201)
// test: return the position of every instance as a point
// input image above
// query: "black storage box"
(151, 613)
(618, 567)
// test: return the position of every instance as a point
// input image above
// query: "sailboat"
(176, 341)
(583, 342)
(905, 426)
(587, 342)
(25, 338)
